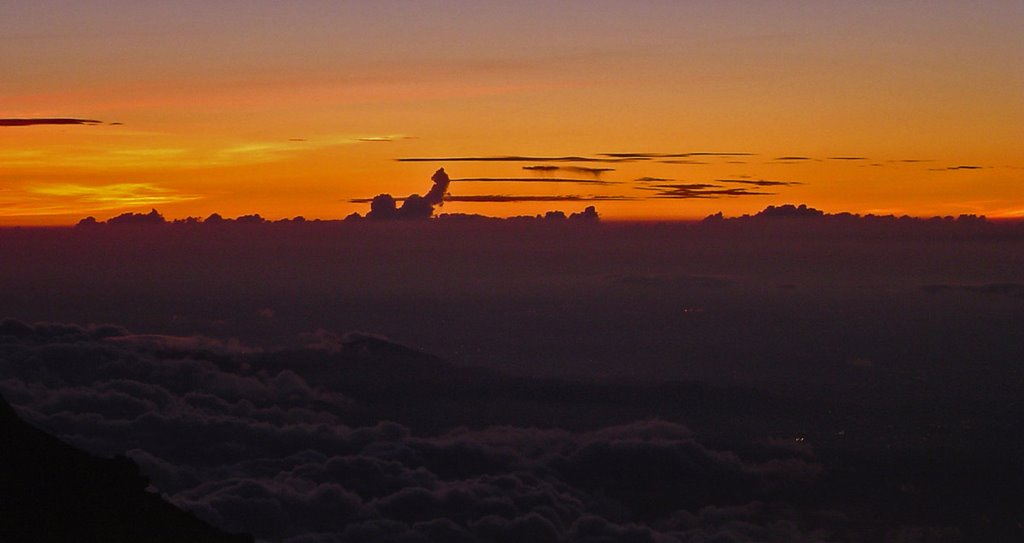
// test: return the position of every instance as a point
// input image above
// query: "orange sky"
(296, 108)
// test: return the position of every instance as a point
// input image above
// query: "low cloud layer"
(263, 442)
(354, 438)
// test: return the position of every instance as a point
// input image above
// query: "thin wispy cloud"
(137, 155)
(512, 198)
(118, 194)
(686, 194)
(509, 158)
(48, 121)
(596, 172)
(588, 171)
(79, 199)
(599, 157)
(533, 180)
(694, 191)
(682, 186)
(760, 182)
(383, 139)
(957, 168)
(651, 156)
(791, 158)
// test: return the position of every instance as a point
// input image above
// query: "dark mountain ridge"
(51, 491)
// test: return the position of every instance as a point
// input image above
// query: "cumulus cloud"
(383, 206)
(48, 121)
(790, 211)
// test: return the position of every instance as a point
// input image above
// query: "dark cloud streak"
(956, 168)
(509, 158)
(503, 198)
(596, 172)
(533, 180)
(760, 183)
(694, 191)
(48, 121)
(647, 156)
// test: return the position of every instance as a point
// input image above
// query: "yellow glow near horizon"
(236, 115)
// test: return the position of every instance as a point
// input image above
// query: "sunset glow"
(661, 110)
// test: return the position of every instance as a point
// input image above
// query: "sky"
(646, 110)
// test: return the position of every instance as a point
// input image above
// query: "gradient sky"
(298, 108)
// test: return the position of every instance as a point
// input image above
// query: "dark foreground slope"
(51, 491)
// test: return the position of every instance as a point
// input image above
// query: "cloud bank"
(265, 442)
(355, 438)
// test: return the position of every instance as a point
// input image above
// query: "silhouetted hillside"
(51, 491)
